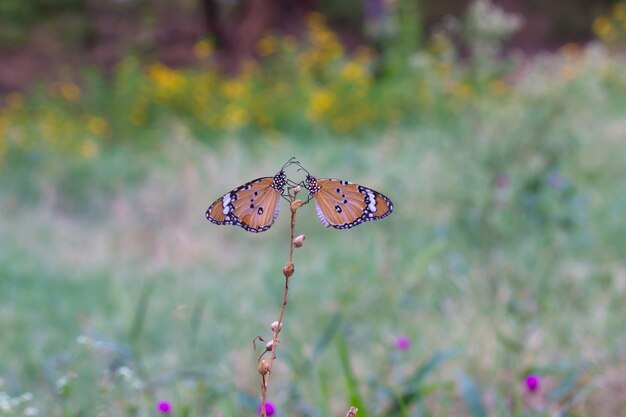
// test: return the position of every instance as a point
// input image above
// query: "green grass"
(111, 265)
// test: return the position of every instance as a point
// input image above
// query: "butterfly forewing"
(339, 207)
(257, 207)
(343, 205)
(253, 206)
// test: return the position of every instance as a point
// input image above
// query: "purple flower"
(269, 409)
(164, 407)
(533, 382)
(403, 343)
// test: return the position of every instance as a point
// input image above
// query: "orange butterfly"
(342, 204)
(254, 205)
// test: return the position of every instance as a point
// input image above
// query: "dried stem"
(265, 367)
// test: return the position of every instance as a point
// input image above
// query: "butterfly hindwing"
(253, 206)
(342, 204)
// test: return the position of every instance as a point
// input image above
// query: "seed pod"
(299, 241)
(288, 269)
(264, 367)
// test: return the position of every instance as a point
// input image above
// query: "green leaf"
(415, 388)
(140, 311)
(431, 365)
(352, 384)
(326, 337)
(470, 395)
(567, 385)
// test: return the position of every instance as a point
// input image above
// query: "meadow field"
(496, 288)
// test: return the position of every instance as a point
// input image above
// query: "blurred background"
(497, 128)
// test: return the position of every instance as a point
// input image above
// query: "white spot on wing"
(226, 210)
(372, 205)
(226, 201)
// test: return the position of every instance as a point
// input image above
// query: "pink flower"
(269, 409)
(403, 343)
(533, 382)
(164, 407)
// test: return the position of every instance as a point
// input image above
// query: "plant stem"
(266, 370)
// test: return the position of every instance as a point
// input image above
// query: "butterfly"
(343, 205)
(253, 206)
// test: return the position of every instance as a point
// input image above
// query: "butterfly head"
(280, 180)
(311, 184)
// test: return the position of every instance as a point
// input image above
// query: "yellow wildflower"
(97, 125)
(462, 90)
(352, 71)
(168, 81)
(233, 89)
(323, 37)
(321, 103)
(202, 49)
(603, 28)
(70, 91)
(234, 116)
(267, 45)
(619, 11)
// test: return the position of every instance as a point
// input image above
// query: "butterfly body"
(253, 206)
(343, 205)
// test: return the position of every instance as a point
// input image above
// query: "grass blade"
(140, 311)
(326, 337)
(414, 389)
(470, 395)
(352, 384)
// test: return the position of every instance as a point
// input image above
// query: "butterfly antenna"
(291, 160)
(302, 168)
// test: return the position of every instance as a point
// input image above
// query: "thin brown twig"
(265, 367)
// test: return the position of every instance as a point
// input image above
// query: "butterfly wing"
(342, 204)
(253, 206)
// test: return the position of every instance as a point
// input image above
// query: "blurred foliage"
(611, 27)
(17, 19)
(307, 87)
